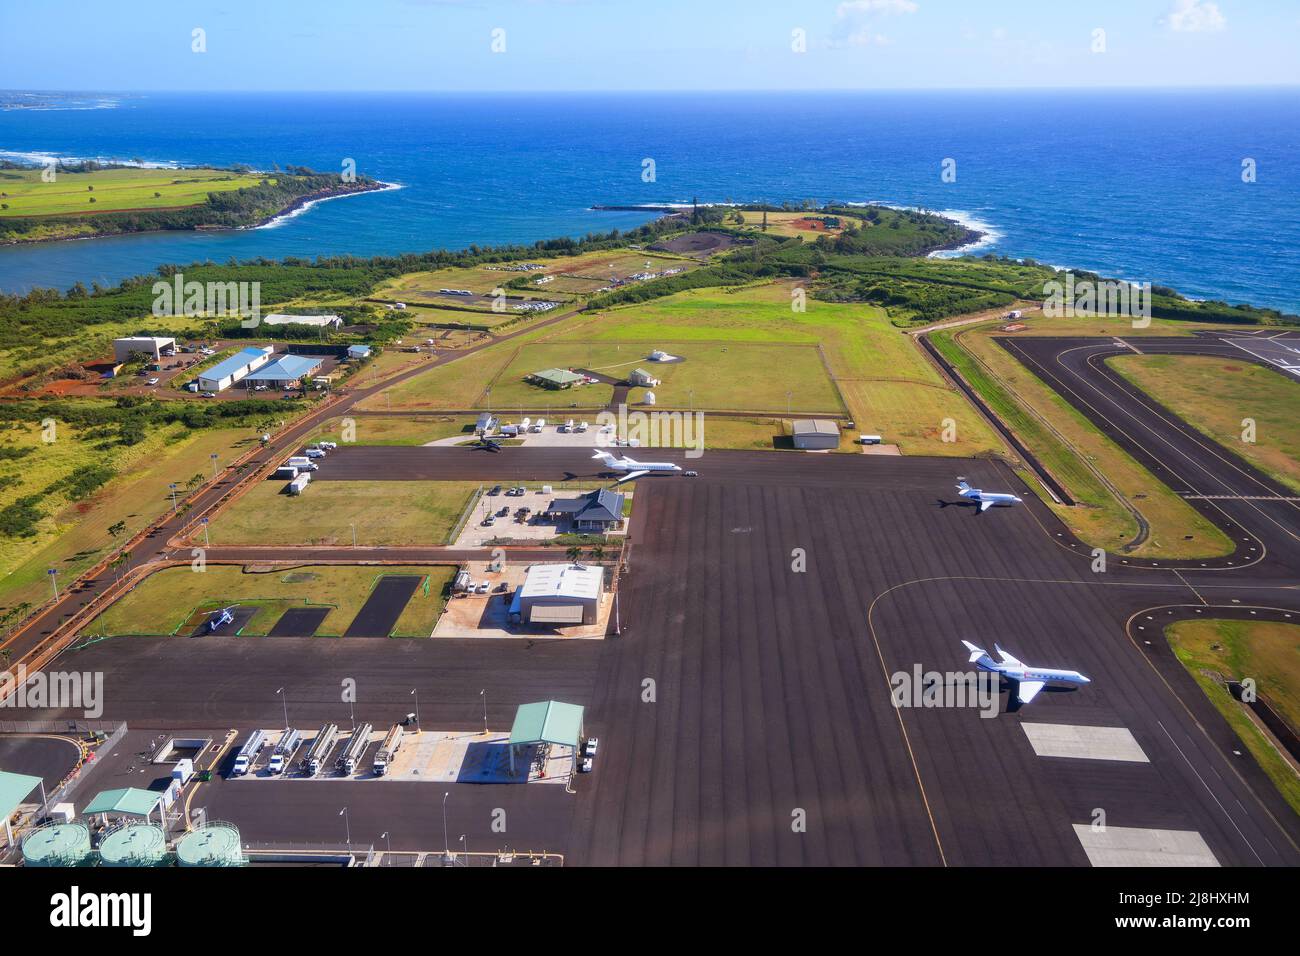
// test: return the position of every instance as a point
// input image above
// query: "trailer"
(355, 749)
(286, 472)
(320, 749)
(388, 750)
(248, 753)
(299, 484)
(283, 753)
(303, 463)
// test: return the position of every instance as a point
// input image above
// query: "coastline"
(295, 208)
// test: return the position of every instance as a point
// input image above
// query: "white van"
(869, 439)
(315, 452)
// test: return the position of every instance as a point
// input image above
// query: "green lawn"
(393, 430)
(176, 600)
(1267, 651)
(1217, 396)
(113, 190)
(394, 513)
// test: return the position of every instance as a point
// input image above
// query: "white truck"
(537, 426)
(299, 484)
(248, 753)
(289, 743)
(320, 749)
(303, 463)
(355, 749)
(315, 453)
(286, 472)
(388, 750)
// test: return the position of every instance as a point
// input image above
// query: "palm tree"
(573, 553)
(598, 553)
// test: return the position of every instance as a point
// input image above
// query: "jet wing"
(1028, 690)
(985, 504)
(630, 475)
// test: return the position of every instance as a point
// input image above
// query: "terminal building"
(286, 370)
(600, 510)
(559, 595)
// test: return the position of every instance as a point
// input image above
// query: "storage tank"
(133, 844)
(216, 844)
(649, 398)
(58, 844)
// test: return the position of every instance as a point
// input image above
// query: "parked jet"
(986, 499)
(633, 469)
(220, 618)
(487, 444)
(1028, 680)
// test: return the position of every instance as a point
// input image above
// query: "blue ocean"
(1145, 186)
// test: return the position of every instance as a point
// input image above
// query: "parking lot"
(533, 527)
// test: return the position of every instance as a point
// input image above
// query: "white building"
(322, 321)
(154, 346)
(233, 369)
(816, 433)
(559, 595)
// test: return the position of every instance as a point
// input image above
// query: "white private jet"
(633, 469)
(1028, 680)
(986, 499)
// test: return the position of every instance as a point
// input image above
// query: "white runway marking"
(1137, 846)
(1086, 743)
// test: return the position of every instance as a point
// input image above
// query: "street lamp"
(347, 824)
(354, 534)
(483, 694)
(789, 397)
(415, 692)
(446, 843)
(385, 836)
(464, 848)
(213, 456)
(207, 543)
(54, 581)
(172, 486)
(284, 700)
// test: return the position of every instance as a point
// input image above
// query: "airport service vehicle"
(225, 615)
(1028, 680)
(388, 750)
(303, 463)
(283, 753)
(286, 472)
(986, 499)
(538, 425)
(510, 431)
(299, 484)
(320, 749)
(567, 426)
(869, 439)
(315, 452)
(525, 424)
(356, 747)
(690, 474)
(585, 766)
(582, 426)
(590, 747)
(248, 753)
(328, 445)
(632, 469)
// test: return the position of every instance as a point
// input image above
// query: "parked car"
(489, 521)
(590, 747)
(494, 490)
(208, 394)
(484, 587)
(152, 381)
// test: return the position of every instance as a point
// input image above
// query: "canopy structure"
(14, 789)
(127, 802)
(546, 722)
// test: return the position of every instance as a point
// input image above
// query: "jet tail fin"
(975, 652)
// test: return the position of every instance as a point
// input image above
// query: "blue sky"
(645, 44)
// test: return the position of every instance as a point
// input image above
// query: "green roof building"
(555, 378)
(127, 802)
(14, 789)
(545, 722)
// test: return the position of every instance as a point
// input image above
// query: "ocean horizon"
(1144, 185)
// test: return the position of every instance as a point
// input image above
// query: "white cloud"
(1195, 16)
(851, 8)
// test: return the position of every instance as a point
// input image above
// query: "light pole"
(284, 700)
(464, 848)
(172, 486)
(415, 692)
(213, 456)
(347, 825)
(446, 843)
(789, 397)
(207, 543)
(483, 694)
(354, 534)
(54, 581)
(385, 836)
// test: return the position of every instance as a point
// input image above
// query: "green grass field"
(392, 430)
(1218, 395)
(74, 535)
(1078, 456)
(24, 193)
(395, 513)
(175, 600)
(1267, 651)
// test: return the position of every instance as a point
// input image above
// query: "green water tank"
(216, 844)
(133, 844)
(58, 844)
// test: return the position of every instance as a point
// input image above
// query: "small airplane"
(633, 469)
(986, 499)
(220, 618)
(487, 443)
(1028, 680)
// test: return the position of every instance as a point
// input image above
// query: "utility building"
(152, 346)
(234, 369)
(546, 722)
(816, 434)
(559, 595)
